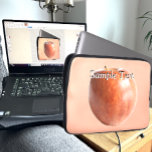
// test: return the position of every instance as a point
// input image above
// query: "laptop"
(91, 44)
(33, 88)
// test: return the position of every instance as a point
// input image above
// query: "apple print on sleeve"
(112, 95)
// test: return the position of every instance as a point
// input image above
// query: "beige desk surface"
(130, 140)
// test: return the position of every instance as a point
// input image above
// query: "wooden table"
(131, 141)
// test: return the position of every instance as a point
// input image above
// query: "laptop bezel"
(58, 69)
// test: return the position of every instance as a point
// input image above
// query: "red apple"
(49, 49)
(112, 99)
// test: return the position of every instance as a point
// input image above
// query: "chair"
(3, 71)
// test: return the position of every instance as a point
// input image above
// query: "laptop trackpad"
(47, 105)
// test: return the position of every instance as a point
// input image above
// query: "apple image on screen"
(112, 100)
(49, 49)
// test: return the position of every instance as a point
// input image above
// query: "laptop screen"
(38, 45)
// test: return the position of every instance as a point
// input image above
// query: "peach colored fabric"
(41, 49)
(80, 118)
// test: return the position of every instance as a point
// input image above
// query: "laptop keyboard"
(37, 86)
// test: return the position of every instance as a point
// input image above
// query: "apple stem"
(106, 68)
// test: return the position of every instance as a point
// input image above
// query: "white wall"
(77, 14)
(114, 20)
(144, 6)
(23, 10)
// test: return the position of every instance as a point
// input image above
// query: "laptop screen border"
(40, 69)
